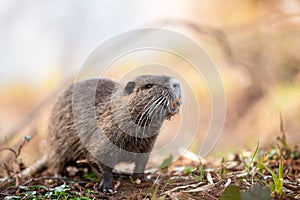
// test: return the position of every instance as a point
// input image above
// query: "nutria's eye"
(148, 86)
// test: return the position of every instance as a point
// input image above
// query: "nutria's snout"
(175, 106)
(177, 96)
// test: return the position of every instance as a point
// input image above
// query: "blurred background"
(254, 44)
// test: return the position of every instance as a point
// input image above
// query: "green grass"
(277, 185)
(247, 167)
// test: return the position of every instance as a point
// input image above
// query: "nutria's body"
(107, 122)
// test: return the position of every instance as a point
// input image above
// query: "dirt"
(182, 179)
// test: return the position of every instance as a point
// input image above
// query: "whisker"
(144, 112)
(150, 114)
(146, 107)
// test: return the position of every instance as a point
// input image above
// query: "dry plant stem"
(17, 180)
(19, 149)
(7, 169)
(10, 172)
(13, 173)
(182, 187)
(9, 149)
(47, 178)
(36, 167)
(7, 180)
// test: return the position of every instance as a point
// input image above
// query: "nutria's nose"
(176, 87)
(174, 84)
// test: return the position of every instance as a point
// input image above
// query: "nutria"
(106, 122)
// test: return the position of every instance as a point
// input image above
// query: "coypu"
(106, 122)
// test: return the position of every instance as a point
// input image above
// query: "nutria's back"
(65, 144)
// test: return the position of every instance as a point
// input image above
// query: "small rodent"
(107, 122)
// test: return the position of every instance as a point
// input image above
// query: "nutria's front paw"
(106, 187)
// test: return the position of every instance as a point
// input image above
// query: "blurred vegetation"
(255, 45)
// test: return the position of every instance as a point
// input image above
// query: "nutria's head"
(152, 98)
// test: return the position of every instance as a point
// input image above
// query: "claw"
(107, 188)
(111, 191)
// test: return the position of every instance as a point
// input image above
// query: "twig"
(11, 173)
(154, 183)
(47, 177)
(6, 168)
(281, 123)
(9, 149)
(36, 167)
(202, 188)
(282, 139)
(183, 187)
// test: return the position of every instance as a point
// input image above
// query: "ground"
(263, 173)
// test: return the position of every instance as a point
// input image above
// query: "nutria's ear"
(129, 87)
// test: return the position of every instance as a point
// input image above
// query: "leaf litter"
(264, 173)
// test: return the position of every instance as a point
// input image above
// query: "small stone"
(138, 181)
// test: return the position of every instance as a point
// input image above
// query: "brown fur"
(117, 123)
